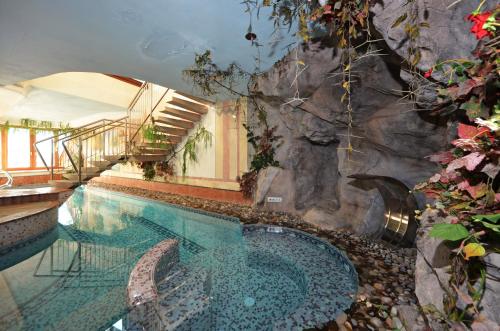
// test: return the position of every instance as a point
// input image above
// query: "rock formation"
(391, 138)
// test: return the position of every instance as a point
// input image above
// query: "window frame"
(33, 152)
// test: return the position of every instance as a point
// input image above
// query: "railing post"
(80, 157)
(52, 159)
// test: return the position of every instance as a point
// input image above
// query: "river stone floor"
(386, 298)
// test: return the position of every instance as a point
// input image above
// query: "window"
(18, 148)
(45, 148)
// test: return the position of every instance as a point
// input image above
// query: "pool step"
(184, 303)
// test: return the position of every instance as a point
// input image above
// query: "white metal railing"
(10, 180)
(141, 109)
(77, 149)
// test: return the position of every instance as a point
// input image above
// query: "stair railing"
(73, 149)
(10, 180)
(141, 110)
(87, 150)
(57, 160)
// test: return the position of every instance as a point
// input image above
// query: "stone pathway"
(386, 298)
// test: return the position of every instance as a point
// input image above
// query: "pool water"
(229, 277)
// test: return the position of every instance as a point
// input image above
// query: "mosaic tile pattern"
(229, 277)
(141, 290)
(277, 279)
(77, 279)
(21, 251)
(187, 244)
(190, 209)
(25, 228)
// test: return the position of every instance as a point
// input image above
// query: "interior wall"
(205, 167)
(221, 163)
(72, 98)
(93, 86)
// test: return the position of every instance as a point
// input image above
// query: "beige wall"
(219, 165)
(71, 98)
(231, 150)
(87, 85)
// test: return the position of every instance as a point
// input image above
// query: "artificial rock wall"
(394, 139)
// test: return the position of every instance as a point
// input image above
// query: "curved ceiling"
(151, 40)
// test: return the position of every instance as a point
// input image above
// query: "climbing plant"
(466, 190)
(29, 123)
(189, 150)
(211, 79)
(264, 146)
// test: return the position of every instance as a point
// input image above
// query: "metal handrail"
(10, 180)
(141, 106)
(143, 87)
(51, 169)
(94, 129)
(149, 115)
(104, 128)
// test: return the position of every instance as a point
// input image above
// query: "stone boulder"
(390, 137)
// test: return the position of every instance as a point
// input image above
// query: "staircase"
(83, 153)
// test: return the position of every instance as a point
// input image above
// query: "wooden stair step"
(155, 145)
(85, 176)
(174, 122)
(148, 157)
(185, 115)
(171, 131)
(195, 107)
(166, 139)
(90, 169)
(101, 164)
(198, 99)
(154, 149)
(113, 158)
(150, 150)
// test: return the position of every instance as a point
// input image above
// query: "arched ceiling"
(151, 40)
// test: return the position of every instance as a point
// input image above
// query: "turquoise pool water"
(75, 277)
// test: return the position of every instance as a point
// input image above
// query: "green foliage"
(451, 232)
(148, 170)
(30, 123)
(149, 132)
(467, 188)
(189, 151)
(210, 79)
(202, 136)
(488, 221)
(264, 146)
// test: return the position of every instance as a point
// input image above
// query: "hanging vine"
(211, 79)
(189, 150)
(467, 189)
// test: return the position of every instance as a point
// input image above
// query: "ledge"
(11, 213)
(22, 222)
(142, 290)
(215, 194)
